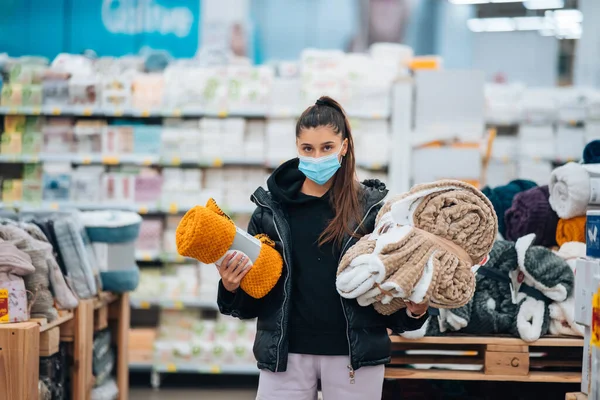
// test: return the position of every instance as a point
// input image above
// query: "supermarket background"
(154, 106)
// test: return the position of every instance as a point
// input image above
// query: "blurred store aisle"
(191, 394)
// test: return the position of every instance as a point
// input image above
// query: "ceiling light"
(476, 25)
(469, 1)
(543, 4)
(499, 24)
(529, 23)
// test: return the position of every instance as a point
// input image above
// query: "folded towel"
(531, 213)
(570, 190)
(423, 248)
(570, 230)
(207, 233)
(591, 152)
(502, 198)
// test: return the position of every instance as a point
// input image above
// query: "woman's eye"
(327, 148)
(307, 149)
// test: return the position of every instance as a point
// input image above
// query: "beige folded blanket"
(423, 249)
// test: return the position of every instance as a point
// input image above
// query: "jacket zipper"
(285, 295)
(351, 372)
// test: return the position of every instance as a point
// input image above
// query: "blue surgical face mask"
(320, 170)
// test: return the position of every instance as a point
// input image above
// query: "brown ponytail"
(345, 188)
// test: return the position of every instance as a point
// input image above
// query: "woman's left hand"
(416, 309)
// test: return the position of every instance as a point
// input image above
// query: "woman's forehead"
(319, 135)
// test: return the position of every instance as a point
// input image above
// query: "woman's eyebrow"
(330, 142)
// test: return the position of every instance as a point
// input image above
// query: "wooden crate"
(19, 360)
(486, 359)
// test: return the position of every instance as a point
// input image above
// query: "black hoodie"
(316, 322)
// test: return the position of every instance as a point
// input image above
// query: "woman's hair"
(345, 189)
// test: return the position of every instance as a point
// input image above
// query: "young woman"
(315, 210)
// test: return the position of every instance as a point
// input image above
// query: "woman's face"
(320, 142)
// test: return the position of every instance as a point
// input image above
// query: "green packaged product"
(33, 142)
(32, 95)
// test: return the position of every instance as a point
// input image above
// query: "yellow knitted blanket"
(207, 233)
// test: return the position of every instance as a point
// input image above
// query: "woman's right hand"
(232, 269)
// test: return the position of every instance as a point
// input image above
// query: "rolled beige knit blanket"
(423, 249)
(452, 210)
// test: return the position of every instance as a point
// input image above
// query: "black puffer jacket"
(368, 341)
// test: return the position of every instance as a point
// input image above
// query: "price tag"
(13, 110)
(144, 305)
(222, 114)
(147, 161)
(86, 112)
(377, 116)
(54, 206)
(176, 161)
(145, 113)
(34, 159)
(118, 113)
(376, 166)
(177, 112)
(56, 111)
(217, 162)
(171, 368)
(36, 111)
(146, 257)
(173, 208)
(179, 258)
(110, 160)
(86, 160)
(178, 305)
(215, 369)
(143, 210)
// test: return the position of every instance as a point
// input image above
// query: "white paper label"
(594, 191)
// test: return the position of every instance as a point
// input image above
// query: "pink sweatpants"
(300, 380)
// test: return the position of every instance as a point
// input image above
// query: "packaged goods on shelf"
(592, 131)
(393, 55)
(116, 92)
(147, 91)
(570, 142)
(438, 114)
(150, 239)
(447, 162)
(286, 97)
(537, 142)
(89, 135)
(503, 103)
(573, 104)
(371, 139)
(534, 170)
(587, 279)
(500, 172)
(505, 148)
(56, 182)
(280, 142)
(539, 106)
(59, 136)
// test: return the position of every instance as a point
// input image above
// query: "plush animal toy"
(207, 233)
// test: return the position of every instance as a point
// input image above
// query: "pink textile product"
(148, 188)
(59, 136)
(14, 264)
(150, 237)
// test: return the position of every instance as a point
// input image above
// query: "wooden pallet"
(576, 396)
(469, 358)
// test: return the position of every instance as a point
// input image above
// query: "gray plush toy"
(512, 295)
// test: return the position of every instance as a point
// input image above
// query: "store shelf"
(148, 256)
(131, 159)
(195, 369)
(128, 113)
(172, 208)
(173, 304)
(206, 369)
(163, 113)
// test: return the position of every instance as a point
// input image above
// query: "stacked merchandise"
(103, 362)
(527, 288)
(54, 376)
(187, 341)
(552, 126)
